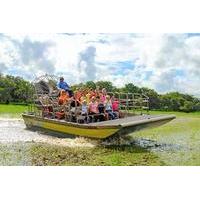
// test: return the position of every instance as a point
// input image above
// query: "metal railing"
(131, 102)
(45, 105)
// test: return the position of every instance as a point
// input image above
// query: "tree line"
(15, 89)
(18, 90)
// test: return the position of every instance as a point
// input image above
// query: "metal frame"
(128, 102)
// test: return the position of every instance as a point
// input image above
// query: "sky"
(163, 62)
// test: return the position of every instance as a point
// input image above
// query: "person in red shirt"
(115, 104)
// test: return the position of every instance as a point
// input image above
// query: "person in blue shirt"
(62, 85)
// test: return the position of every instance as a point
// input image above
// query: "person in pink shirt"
(103, 95)
(93, 109)
(115, 106)
(93, 106)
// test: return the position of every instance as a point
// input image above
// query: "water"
(20, 146)
(13, 130)
(177, 143)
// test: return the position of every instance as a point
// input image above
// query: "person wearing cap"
(62, 85)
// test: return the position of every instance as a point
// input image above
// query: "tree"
(5, 95)
(14, 89)
(105, 84)
(188, 106)
(130, 87)
(154, 99)
(90, 84)
(197, 106)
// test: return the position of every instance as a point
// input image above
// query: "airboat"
(44, 113)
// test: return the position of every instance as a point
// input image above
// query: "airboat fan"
(46, 85)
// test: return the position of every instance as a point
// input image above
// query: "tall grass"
(12, 110)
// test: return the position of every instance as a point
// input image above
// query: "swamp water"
(160, 146)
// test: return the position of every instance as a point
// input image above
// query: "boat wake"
(13, 131)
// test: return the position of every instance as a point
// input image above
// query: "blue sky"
(164, 62)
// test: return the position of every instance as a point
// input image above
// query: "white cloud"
(165, 62)
(86, 64)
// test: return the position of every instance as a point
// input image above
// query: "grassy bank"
(41, 154)
(178, 114)
(176, 143)
(12, 110)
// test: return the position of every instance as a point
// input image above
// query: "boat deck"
(126, 121)
(137, 119)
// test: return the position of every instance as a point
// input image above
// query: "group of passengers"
(96, 104)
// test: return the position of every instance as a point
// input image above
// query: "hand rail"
(128, 103)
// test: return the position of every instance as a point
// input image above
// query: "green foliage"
(130, 87)
(105, 84)
(154, 98)
(77, 86)
(197, 106)
(175, 101)
(16, 89)
(90, 84)
(187, 107)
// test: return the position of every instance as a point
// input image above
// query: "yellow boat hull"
(97, 130)
(69, 128)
